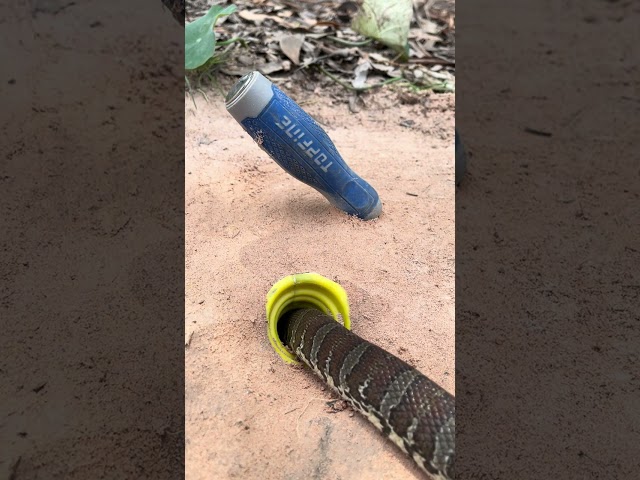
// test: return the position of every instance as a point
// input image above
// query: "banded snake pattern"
(410, 409)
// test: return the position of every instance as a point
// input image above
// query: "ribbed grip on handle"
(299, 145)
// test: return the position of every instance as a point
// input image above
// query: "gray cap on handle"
(249, 96)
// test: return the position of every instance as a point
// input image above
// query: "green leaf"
(199, 37)
(386, 21)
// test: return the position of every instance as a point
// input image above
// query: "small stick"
(350, 44)
(361, 89)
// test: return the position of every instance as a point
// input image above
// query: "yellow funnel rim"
(303, 290)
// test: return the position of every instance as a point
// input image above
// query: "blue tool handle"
(299, 145)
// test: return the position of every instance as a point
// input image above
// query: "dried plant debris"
(316, 42)
(291, 46)
(387, 21)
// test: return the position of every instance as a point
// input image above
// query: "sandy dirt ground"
(86, 246)
(554, 231)
(248, 224)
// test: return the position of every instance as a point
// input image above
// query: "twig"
(361, 89)
(242, 41)
(315, 60)
(203, 94)
(441, 87)
(430, 61)
(350, 44)
(190, 91)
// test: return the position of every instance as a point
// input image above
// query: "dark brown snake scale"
(411, 410)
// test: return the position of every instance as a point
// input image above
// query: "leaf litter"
(311, 43)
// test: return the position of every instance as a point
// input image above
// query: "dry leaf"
(234, 70)
(272, 67)
(378, 58)
(432, 28)
(361, 72)
(273, 28)
(257, 18)
(382, 68)
(291, 45)
(252, 16)
(387, 21)
(308, 18)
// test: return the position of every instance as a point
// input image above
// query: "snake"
(414, 412)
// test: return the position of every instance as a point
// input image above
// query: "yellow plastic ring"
(303, 290)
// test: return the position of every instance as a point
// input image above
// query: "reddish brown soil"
(248, 224)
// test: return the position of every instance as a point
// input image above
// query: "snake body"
(411, 410)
